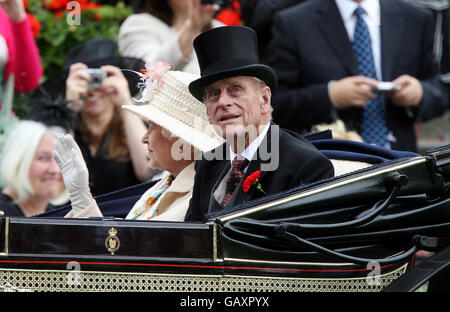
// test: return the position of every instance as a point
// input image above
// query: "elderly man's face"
(236, 104)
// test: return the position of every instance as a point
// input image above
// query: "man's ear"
(266, 99)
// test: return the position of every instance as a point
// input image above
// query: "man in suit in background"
(237, 90)
(330, 56)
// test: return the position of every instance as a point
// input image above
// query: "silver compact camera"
(97, 77)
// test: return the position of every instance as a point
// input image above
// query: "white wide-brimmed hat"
(166, 101)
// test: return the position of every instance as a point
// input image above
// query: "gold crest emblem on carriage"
(112, 242)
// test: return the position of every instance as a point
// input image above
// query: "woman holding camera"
(164, 30)
(108, 136)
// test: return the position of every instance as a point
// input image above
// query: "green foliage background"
(58, 37)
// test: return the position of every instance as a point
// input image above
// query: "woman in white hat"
(178, 131)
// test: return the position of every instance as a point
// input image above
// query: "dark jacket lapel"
(214, 164)
(391, 30)
(333, 29)
(240, 196)
(255, 165)
(220, 172)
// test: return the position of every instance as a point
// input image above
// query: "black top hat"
(94, 53)
(229, 51)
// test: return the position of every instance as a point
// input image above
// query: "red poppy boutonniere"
(253, 179)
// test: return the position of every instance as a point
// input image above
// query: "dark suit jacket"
(311, 47)
(299, 162)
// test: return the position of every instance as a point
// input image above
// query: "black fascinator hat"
(52, 113)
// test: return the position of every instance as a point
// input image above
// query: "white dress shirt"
(251, 149)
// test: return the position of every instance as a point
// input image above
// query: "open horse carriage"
(358, 231)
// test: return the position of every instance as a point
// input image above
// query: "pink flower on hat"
(151, 79)
(154, 72)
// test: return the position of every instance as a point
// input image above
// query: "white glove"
(75, 174)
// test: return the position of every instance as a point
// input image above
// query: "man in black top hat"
(258, 157)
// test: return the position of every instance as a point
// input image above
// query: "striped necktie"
(235, 178)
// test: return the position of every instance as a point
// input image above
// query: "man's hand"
(352, 91)
(75, 174)
(411, 92)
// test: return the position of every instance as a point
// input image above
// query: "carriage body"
(355, 232)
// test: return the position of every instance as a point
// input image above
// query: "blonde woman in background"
(32, 177)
